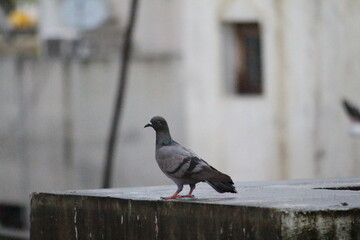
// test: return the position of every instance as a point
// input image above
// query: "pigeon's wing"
(202, 171)
(352, 111)
(172, 159)
(179, 162)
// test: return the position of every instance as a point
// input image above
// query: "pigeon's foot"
(172, 197)
(187, 196)
(179, 196)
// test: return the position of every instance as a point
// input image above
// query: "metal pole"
(124, 57)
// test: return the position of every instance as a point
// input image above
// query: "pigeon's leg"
(192, 187)
(176, 194)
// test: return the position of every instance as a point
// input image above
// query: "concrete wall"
(55, 118)
(321, 69)
(55, 115)
(297, 128)
(237, 132)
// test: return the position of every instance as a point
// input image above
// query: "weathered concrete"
(298, 209)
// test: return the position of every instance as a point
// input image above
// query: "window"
(243, 65)
(12, 216)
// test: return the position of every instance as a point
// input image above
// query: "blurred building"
(254, 87)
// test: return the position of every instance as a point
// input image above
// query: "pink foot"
(171, 197)
(187, 196)
(174, 196)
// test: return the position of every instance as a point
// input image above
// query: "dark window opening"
(243, 63)
(12, 216)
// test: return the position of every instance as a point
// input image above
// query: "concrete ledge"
(301, 209)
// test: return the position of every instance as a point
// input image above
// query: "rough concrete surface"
(297, 209)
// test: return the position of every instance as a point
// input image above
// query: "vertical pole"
(124, 61)
(282, 98)
(23, 140)
(68, 128)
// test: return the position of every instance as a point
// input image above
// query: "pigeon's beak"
(148, 125)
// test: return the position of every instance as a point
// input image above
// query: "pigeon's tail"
(223, 186)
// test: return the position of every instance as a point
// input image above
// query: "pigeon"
(182, 165)
(352, 111)
(354, 115)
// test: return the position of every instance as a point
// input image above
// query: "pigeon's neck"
(163, 138)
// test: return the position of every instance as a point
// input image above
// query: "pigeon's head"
(157, 123)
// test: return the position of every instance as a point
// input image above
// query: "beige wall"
(41, 97)
(297, 129)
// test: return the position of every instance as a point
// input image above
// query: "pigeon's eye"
(158, 122)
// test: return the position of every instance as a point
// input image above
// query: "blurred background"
(254, 87)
